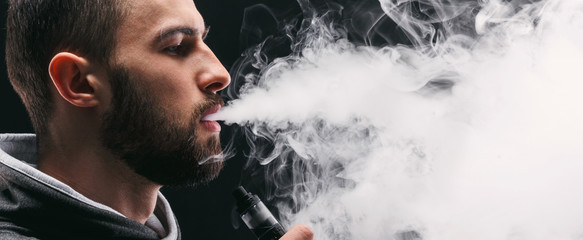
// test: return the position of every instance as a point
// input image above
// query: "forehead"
(143, 13)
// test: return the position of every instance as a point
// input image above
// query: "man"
(116, 91)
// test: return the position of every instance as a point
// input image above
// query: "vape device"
(256, 216)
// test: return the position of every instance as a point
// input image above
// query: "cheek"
(171, 82)
(172, 88)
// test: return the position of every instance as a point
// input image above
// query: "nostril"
(214, 87)
(212, 80)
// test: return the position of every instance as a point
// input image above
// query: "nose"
(213, 77)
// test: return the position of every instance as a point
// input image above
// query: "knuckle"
(304, 232)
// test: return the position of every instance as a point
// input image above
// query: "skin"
(177, 78)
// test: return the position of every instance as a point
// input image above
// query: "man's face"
(164, 81)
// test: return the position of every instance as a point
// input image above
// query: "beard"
(153, 141)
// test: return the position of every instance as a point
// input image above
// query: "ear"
(71, 77)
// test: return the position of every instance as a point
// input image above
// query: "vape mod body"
(256, 216)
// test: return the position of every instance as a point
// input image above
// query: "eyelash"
(181, 49)
(174, 49)
(184, 47)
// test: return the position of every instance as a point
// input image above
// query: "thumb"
(299, 232)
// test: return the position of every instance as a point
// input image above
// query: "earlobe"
(69, 74)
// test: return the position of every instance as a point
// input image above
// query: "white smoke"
(472, 133)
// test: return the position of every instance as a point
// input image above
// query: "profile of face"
(163, 80)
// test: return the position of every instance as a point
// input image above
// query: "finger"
(299, 232)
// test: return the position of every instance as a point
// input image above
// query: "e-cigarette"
(256, 216)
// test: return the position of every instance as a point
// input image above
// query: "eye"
(182, 49)
(175, 50)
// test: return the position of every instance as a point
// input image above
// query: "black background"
(205, 212)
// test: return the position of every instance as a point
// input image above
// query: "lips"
(212, 126)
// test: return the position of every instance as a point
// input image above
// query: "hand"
(298, 232)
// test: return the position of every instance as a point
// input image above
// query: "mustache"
(211, 100)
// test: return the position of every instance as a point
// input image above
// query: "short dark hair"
(36, 30)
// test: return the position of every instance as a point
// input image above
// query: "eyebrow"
(165, 33)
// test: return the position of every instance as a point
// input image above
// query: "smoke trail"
(471, 132)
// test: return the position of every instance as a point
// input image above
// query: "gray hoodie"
(34, 205)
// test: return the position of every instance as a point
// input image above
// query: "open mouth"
(212, 126)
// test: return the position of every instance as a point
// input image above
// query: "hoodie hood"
(36, 205)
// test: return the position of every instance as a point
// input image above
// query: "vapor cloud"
(472, 132)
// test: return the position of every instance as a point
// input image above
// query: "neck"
(80, 162)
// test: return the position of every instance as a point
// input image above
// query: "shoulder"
(7, 235)
(11, 231)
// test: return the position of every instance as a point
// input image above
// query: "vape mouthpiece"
(256, 216)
